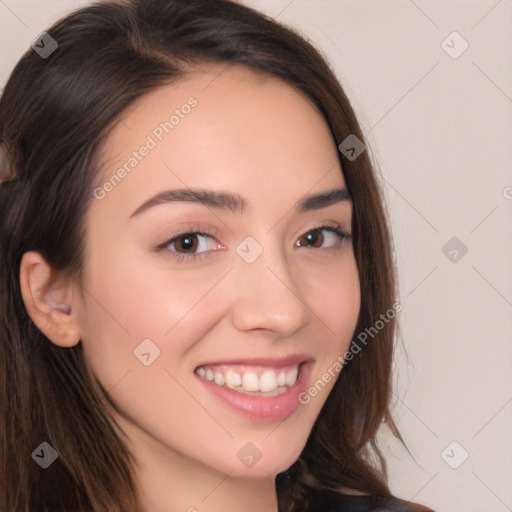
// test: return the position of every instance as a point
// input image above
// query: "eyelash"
(195, 230)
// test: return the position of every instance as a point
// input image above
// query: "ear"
(49, 300)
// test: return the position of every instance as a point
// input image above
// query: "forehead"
(223, 127)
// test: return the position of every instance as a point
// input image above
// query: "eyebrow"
(225, 200)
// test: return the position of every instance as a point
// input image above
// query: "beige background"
(440, 130)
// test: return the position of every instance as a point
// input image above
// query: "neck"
(168, 481)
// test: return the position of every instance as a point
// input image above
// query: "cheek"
(130, 303)
(335, 298)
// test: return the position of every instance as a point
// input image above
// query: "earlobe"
(48, 300)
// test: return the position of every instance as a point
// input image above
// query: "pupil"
(187, 242)
(313, 237)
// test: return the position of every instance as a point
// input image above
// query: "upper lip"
(263, 361)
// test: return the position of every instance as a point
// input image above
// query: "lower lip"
(260, 407)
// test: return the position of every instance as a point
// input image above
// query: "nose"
(267, 295)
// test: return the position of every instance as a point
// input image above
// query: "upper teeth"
(261, 379)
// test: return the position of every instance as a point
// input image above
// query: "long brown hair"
(55, 113)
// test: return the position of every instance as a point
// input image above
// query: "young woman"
(197, 298)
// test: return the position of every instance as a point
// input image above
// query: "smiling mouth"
(251, 379)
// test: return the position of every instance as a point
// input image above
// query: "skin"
(260, 138)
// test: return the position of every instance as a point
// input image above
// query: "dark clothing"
(326, 501)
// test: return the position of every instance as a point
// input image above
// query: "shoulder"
(334, 502)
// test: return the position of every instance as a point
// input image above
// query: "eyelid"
(192, 228)
(197, 229)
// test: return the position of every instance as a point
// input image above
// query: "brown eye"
(186, 242)
(193, 243)
(190, 244)
(312, 238)
(316, 238)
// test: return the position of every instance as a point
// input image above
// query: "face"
(253, 285)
